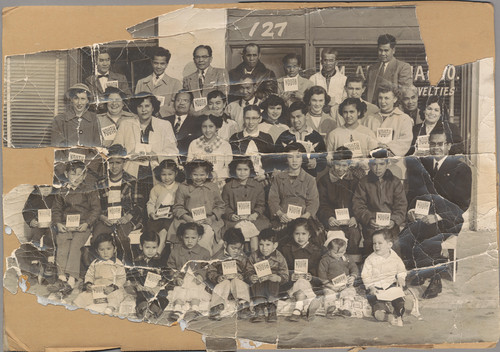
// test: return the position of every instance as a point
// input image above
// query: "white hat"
(331, 235)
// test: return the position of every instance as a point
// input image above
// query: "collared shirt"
(106, 272)
(330, 267)
(103, 79)
(254, 134)
(131, 200)
(234, 192)
(301, 191)
(402, 129)
(382, 272)
(309, 251)
(145, 133)
(276, 261)
(180, 255)
(157, 79)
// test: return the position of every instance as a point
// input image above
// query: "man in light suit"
(186, 127)
(206, 78)
(103, 77)
(445, 183)
(388, 71)
(330, 76)
(159, 83)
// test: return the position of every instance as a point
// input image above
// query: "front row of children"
(192, 278)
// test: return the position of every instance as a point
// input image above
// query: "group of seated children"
(183, 231)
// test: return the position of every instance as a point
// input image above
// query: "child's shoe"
(313, 307)
(214, 313)
(140, 309)
(56, 286)
(174, 315)
(191, 315)
(259, 316)
(399, 321)
(295, 317)
(272, 317)
(330, 312)
(244, 311)
(155, 310)
(380, 315)
(393, 320)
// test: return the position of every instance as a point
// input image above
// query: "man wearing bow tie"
(206, 78)
(186, 127)
(104, 78)
(443, 184)
(159, 83)
(388, 71)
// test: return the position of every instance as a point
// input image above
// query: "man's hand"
(61, 228)
(352, 222)
(34, 223)
(83, 227)
(254, 278)
(253, 217)
(235, 217)
(283, 217)
(430, 219)
(333, 222)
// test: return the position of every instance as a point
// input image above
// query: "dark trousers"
(264, 292)
(144, 296)
(398, 304)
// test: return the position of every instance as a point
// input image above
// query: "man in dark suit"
(104, 78)
(186, 128)
(264, 77)
(443, 183)
(388, 71)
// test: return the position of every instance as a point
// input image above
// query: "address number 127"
(268, 29)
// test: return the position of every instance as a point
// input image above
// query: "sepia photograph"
(287, 176)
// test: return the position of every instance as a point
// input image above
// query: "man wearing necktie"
(186, 127)
(444, 183)
(159, 83)
(206, 78)
(388, 70)
(104, 77)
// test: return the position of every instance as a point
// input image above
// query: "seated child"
(304, 275)
(336, 190)
(337, 272)
(189, 279)
(243, 188)
(150, 294)
(104, 280)
(384, 275)
(266, 269)
(161, 202)
(37, 257)
(293, 191)
(75, 210)
(379, 202)
(199, 198)
(227, 276)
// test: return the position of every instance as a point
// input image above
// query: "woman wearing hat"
(77, 126)
(115, 100)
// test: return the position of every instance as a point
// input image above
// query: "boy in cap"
(77, 126)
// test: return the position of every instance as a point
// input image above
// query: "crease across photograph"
(272, 178)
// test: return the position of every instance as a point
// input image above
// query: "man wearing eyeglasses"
(206, 78)
(330, 76)
(442, 184)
